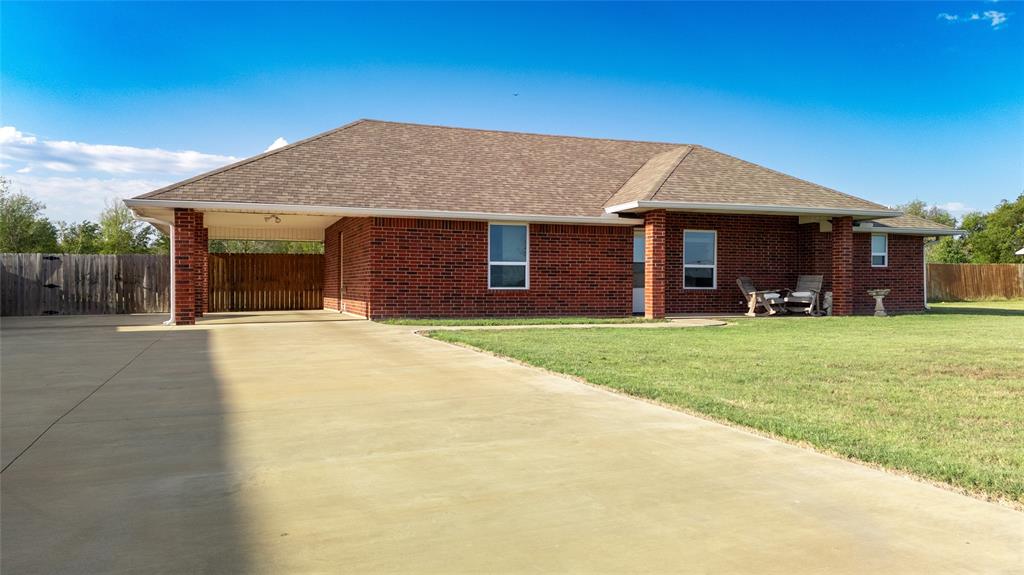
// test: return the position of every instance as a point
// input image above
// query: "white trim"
(884, 254)
(525, 264)
(749, 209)
(926, 232)
(924, 266)
(714, 266)
(607, 220)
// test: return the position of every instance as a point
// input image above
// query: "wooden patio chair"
(755, 298)
(804, 298)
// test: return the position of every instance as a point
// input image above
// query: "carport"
(191, 227)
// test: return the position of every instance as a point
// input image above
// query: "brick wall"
(814, 254)
(842, 266)
(352, 237)
(655, 234)
(904, 274)
(439, 268)
(763, 248)
(187, 226)
(202, 273)
(417, 267)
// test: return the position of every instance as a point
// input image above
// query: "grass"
(475, 321)
(937, 395)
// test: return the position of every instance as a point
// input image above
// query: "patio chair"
(805, 297)
(755, 298)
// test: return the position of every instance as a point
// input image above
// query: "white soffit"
(277, 233)
(266, 226)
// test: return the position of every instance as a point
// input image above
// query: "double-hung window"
(509, 256)
(699, 259)
(879, 250)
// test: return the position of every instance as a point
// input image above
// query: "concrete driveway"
(346, 446)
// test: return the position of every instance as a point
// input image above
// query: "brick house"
(434, 221)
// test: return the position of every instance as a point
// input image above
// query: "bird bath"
(879, 295)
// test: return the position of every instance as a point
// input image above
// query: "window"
(879, 250)
(508, 246)
(699, 259)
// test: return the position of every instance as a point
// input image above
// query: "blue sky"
(887, 101)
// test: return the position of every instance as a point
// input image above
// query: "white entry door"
(638, 271)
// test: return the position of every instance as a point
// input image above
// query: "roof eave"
(646, 205)
(139, 204)
(925, 232)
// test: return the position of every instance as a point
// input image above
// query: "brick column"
(842, 266)
(202, 253)
(187, 224)
(654, 266)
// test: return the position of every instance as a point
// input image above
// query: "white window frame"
(884, 254)
(525, 264)
(714, 266)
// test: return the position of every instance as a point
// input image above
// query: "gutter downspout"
(924, 266)
(170, 227)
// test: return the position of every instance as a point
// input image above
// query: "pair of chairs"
(803, 298)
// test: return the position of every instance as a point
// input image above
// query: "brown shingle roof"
(387, 165)
(643, 184)
(709, 177)
(911, 222)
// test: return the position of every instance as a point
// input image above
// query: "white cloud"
(54, 167)
(72, 198)
(995, 18)
(70, 156)
(25, 170)
(956, 209)
(278, 143)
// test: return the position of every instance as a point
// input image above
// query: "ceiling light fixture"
(272, 218)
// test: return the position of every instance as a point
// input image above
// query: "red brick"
(431, 268)
(655, 266)
(842, 266)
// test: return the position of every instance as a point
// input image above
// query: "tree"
(161, 244)
(994, 237)
(121, 233)
(933, 213)
(23, 229)
(80, 238)
(265, 247)
(948, 249)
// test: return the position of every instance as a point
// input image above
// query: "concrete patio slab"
(320, 447)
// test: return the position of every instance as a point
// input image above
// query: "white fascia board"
(608, 220)
(927, 232)
(749, 209)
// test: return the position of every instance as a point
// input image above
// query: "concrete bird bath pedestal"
(879, 295)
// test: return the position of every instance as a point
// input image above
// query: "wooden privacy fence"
(956, 282)
(71, 284)
(260, 282)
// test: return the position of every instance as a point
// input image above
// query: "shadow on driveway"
(115, 451)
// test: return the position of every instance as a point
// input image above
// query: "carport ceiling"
(238, 225)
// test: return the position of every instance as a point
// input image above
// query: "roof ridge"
(492, 131)
(790, 176)
(631, 176)
(668, 174)
(250, 159)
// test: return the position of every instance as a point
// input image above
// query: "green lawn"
(473, 321)
(939, 395)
